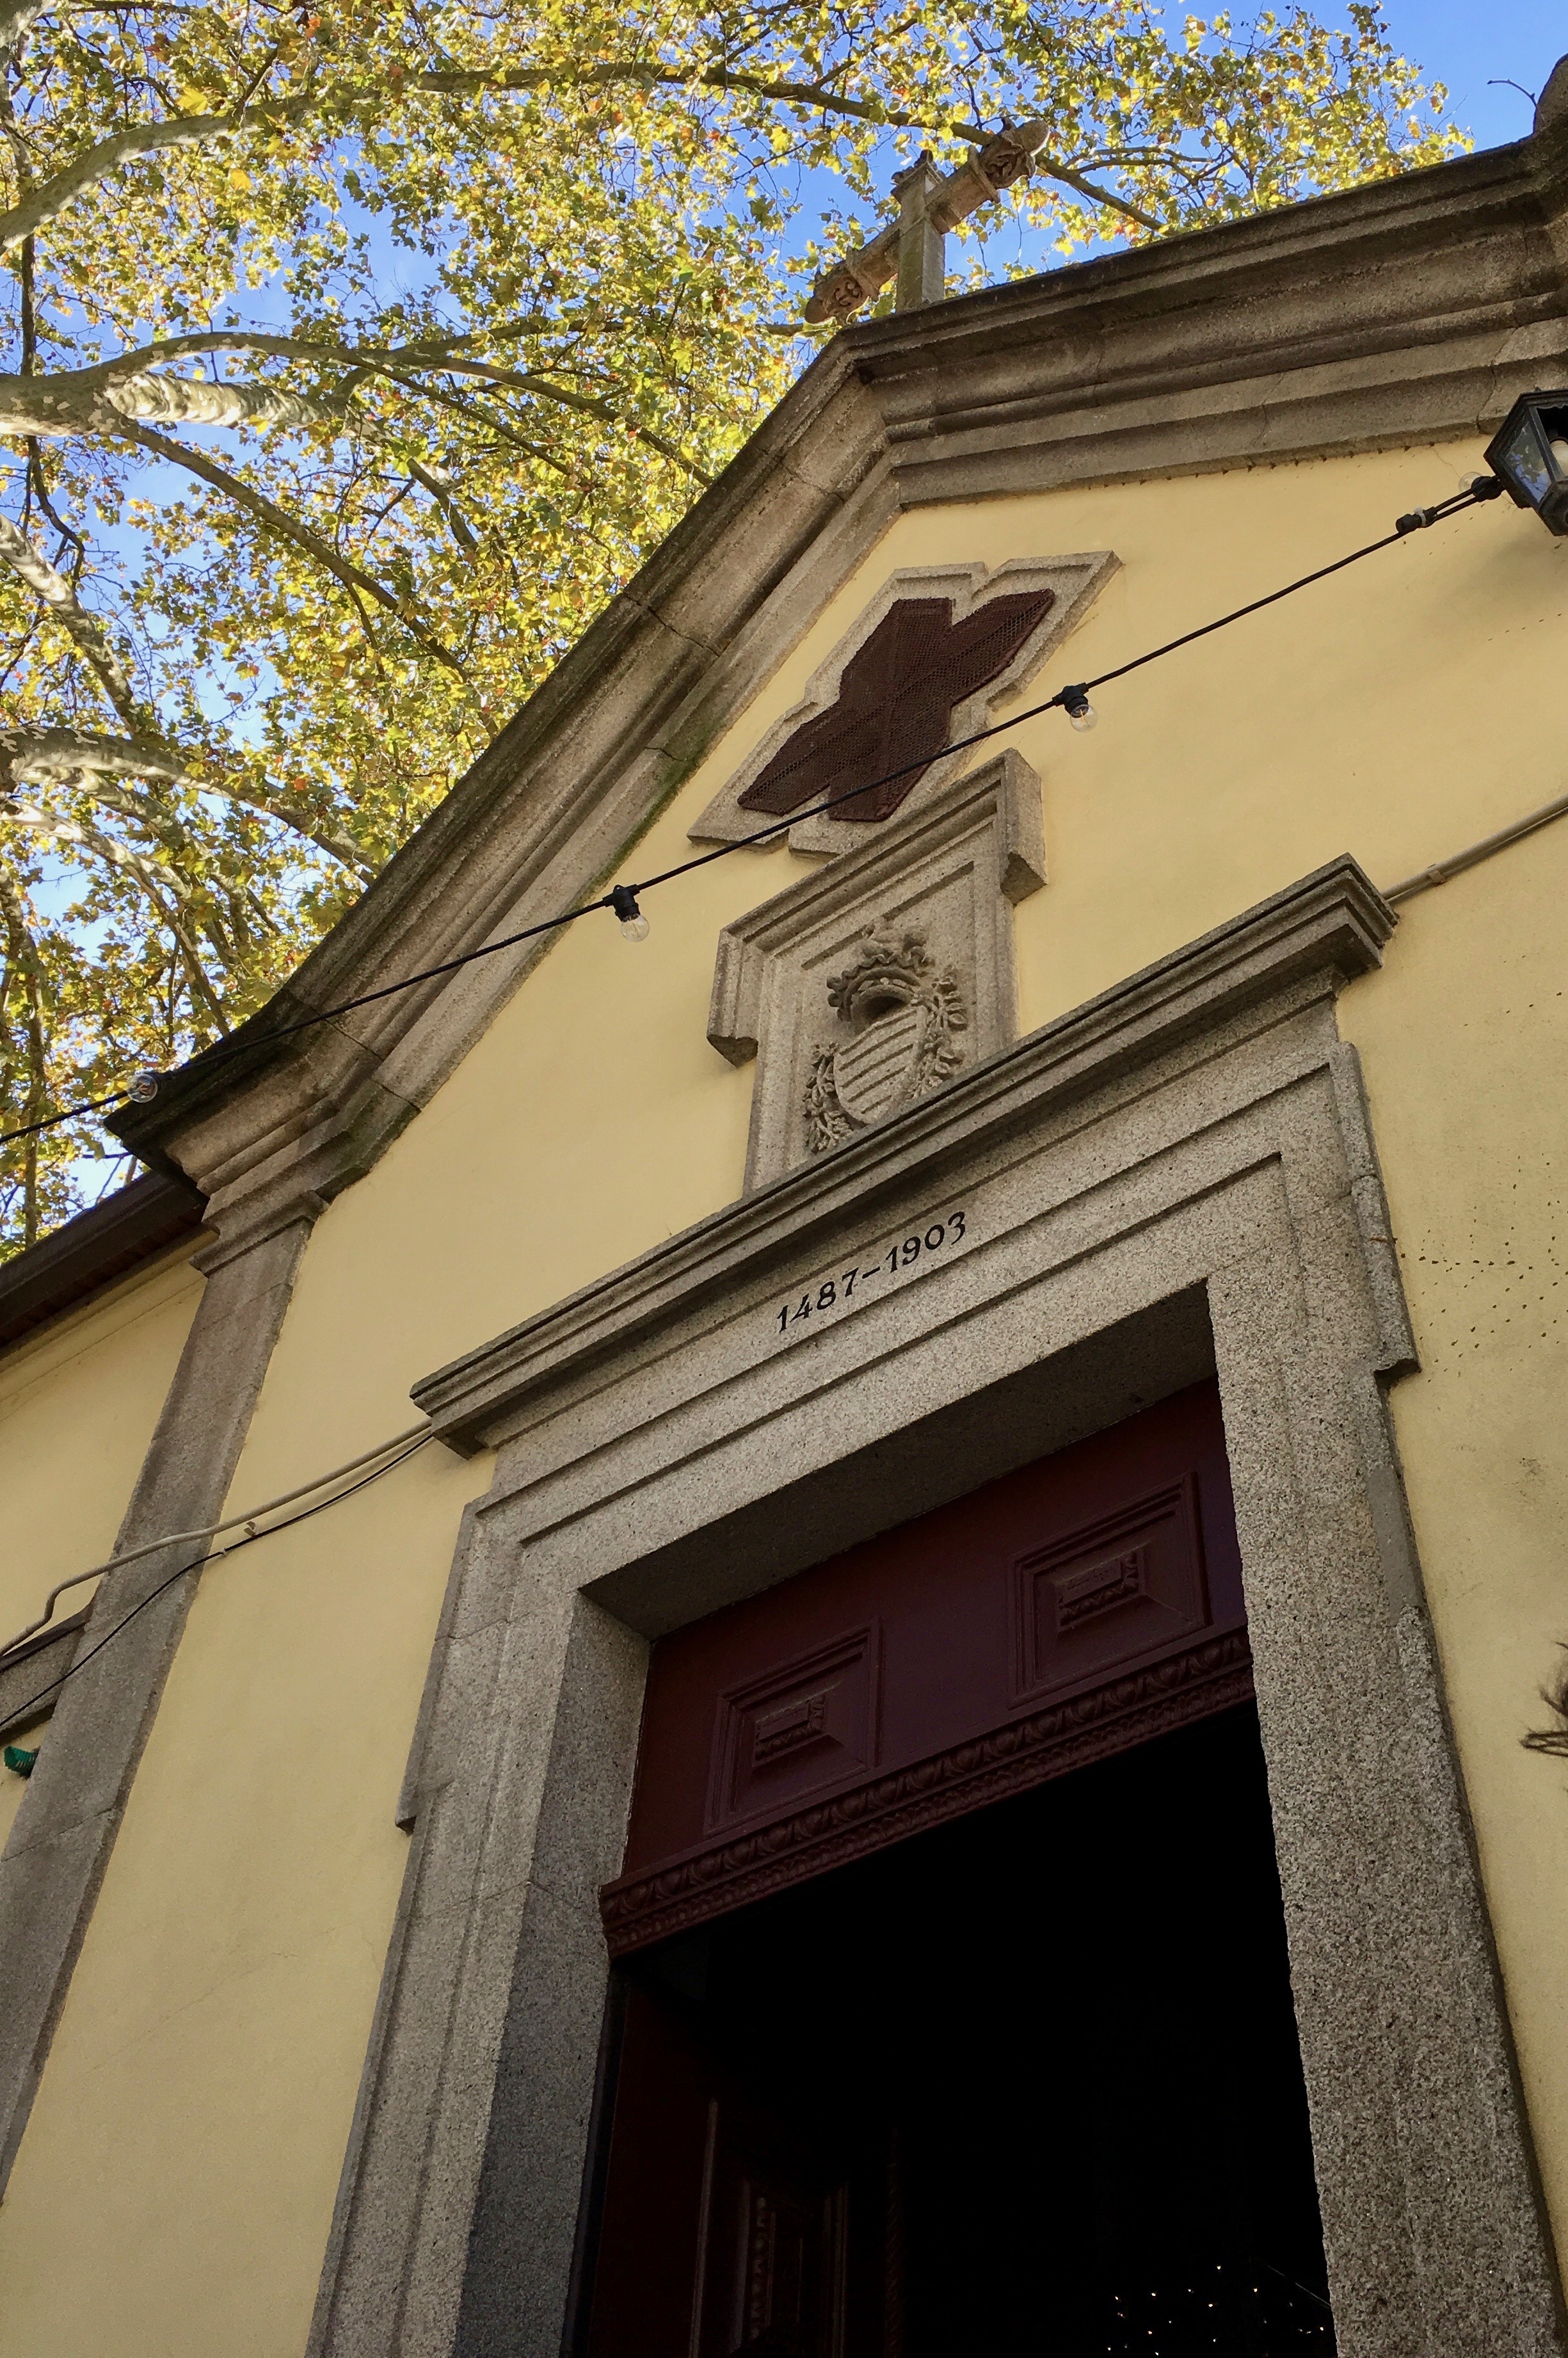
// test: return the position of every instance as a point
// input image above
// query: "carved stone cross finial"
(911, 248)
(922, 247)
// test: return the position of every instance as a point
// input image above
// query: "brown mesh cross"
(895, 705)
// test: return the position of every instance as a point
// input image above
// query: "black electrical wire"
(1065, 697)
(212, 1556)
(622, 898)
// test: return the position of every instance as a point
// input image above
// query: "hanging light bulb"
(1079, 711)
(633, 923)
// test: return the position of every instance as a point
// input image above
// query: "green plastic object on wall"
(18, 1759)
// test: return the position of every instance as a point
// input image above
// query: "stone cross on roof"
(911, 248)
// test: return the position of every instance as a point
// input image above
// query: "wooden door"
(1058, 1616)
(735, 2222)
(773, 2242)
(1065, 1614)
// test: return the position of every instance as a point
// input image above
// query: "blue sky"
(1467, 44)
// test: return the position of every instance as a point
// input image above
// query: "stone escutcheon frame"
(1177, 1178)
(952, 870)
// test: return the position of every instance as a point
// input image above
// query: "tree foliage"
(358, 352)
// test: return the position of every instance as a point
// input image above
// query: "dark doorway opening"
(1027, 2084)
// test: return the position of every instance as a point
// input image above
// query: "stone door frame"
(1178, 1177)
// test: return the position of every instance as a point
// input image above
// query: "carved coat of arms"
(900, 1016)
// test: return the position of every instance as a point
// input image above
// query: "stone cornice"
(1410, 310)
(1325, 929)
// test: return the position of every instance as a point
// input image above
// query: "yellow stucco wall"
(77, 1404)
(197, 2097)
(1465, 1042)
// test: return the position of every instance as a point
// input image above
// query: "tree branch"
(17, 21)
(339, 847)
(25, 955)
(62, 601)
(190, 954)
(425, 350)
(277, 520)
(1091, 188)
(205, 401)
(77, 401)
(455, 83)
(44, 203)
(472, 411)
(41, 756)
(92, 839)
(445, 501)
(782, 93)
(66, 401)
(525, 380)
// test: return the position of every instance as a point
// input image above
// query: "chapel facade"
(835, 1600)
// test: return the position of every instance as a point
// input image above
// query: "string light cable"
(412, 1443)
(623, 899)
(205, 1531)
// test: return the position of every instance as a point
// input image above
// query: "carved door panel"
(730, 2228)
(774, 2265)
(1062, 1613)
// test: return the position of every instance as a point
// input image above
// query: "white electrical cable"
(209, 1530)
(1471, 857)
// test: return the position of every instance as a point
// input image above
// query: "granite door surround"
(1176, 1179)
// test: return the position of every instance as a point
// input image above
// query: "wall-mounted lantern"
(1531, 454)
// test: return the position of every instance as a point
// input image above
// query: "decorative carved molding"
(1318, 933)
(1406, 311)
(1191, 1151)
(1099, 1589)
(907, 678)
(640, 1909)
(909, 940)
(1117, 1589)
(895, 703)
(801, 1724)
